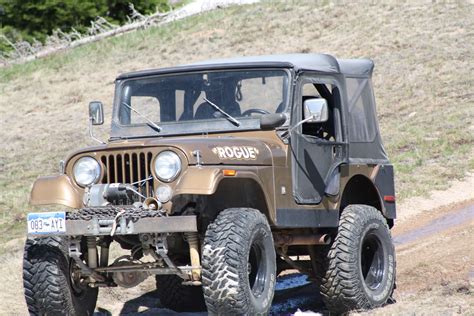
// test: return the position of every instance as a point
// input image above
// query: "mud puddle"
(460, 217)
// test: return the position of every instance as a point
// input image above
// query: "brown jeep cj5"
(216, 177)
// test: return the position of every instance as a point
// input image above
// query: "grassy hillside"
(423, 82)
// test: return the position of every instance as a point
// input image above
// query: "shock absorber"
(92, 252)
(193, 241)
(104, 244)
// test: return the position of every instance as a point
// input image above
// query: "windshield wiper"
(227, 116)
(152, 124)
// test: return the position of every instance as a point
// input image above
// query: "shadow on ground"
(293, 292)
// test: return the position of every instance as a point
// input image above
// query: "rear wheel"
(358, 269)
(178, 297)
(52, 281)
(238, 261)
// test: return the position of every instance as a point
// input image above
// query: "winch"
(111, 193)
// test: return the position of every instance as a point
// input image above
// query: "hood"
(213, 150)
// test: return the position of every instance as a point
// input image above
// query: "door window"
(325, 130)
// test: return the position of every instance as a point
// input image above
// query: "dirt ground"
(435, 269)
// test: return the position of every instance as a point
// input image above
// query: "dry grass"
(423, 80)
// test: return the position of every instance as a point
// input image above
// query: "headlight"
(86, 171)
(167, 166)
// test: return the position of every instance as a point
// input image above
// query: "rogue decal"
(236, 152)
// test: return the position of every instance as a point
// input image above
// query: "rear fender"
(368, 185)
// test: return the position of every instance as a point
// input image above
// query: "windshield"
(198, 102)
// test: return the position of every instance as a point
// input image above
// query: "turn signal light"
(229, 173)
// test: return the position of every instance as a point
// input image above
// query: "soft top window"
(362, 124)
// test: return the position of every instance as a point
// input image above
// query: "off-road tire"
(231, 244)
(178, 297)
(362, 230)
(47, 282)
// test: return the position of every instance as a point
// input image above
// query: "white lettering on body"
(236, 152)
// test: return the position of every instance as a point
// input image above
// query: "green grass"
(422, 79)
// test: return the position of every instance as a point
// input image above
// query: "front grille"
(129, 168)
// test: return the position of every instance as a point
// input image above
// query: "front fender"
(207, 180)
(199, 180)
(55, 190)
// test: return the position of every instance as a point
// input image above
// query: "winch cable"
(140, 181)
(130, 188)
(114, 225)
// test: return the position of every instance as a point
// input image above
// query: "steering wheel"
(251, 111)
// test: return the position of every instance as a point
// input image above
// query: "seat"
(206, 111)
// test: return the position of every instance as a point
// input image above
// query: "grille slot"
(128, 168)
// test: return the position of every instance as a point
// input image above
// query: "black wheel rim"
(372, 261)
(257, 269)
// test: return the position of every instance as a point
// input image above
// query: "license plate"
(46, 223)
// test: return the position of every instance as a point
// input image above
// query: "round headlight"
(167, 166)
(86, 171)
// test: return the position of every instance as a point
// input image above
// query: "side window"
(325, 130)
(362, 123)
(146, 105)
(179, 96)
(199, 101)
(186, 107)
(188, 103)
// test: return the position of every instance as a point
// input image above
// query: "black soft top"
(299, 62)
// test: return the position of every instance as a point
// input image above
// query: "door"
(317, 149)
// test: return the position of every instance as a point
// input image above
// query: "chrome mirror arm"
(292, 128)
(91, 134)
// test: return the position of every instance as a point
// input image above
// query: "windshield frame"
(218, 125)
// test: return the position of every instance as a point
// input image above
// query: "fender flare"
(360, 180)
(57, 189)
(206, 181)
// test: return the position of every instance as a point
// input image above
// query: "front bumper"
(123, 221)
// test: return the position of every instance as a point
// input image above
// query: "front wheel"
(359, 268)
(52, 281)
(238, 264)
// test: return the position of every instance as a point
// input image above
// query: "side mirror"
(315, 110)
(96, 113)
(270, 121)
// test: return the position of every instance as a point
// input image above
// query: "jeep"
(216, 177)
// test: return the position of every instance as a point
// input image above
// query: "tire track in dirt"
(457, 218)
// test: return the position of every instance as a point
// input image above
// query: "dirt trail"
(456, 218)
(458, 192)
(435, 269)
